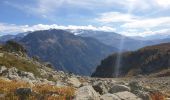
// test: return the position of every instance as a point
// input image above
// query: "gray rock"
(144, 95)
(139, 90)
(2, 95)
(74, 82)
(1, 55)
(86, 93)
(27, 80)
(127, 96)
(109, 96)
(135, 86)
(26, 75)
(84, 84)
(14, 77)
(60, 84)
(2, 69)
(45, 81)
(100, 88)
(13, 71)
(24, 91)
(118, 88)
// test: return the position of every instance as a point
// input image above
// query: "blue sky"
(128, 17)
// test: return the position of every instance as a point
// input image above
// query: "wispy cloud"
(148, 23)
(129, 22)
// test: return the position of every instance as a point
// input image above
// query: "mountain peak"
(66, 51)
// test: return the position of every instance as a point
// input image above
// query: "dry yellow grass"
(10, 60)
(157, 96)
(44, 92)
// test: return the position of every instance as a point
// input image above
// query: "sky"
(127, 17)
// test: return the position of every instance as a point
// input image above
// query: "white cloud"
(13, 29)
(148, 23)
(131, 21)
(163, 3)
(130, 24)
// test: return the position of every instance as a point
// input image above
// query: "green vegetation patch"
(10, 60)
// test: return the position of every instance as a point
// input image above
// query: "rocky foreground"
(64, 86)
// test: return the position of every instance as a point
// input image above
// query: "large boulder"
(2, 69)
(1, 55)
(100, 87)
(118, 88)
(60, 84)
(138, 90)
(127, 96)
(74, 82)
(86, 93)
(24, 93)
(135, 86)
(109, 96)
(143, 94)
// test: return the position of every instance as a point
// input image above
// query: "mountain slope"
(144, 61)
(114, 39)
(158, 36)
(66, 51)
(16, 37)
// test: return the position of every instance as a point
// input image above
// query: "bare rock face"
(86, 93)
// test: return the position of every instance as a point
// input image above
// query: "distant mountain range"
(145, 61)
(66, 51)
(16, 37)
(115, 40)
(157, 36)
(121, 42)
